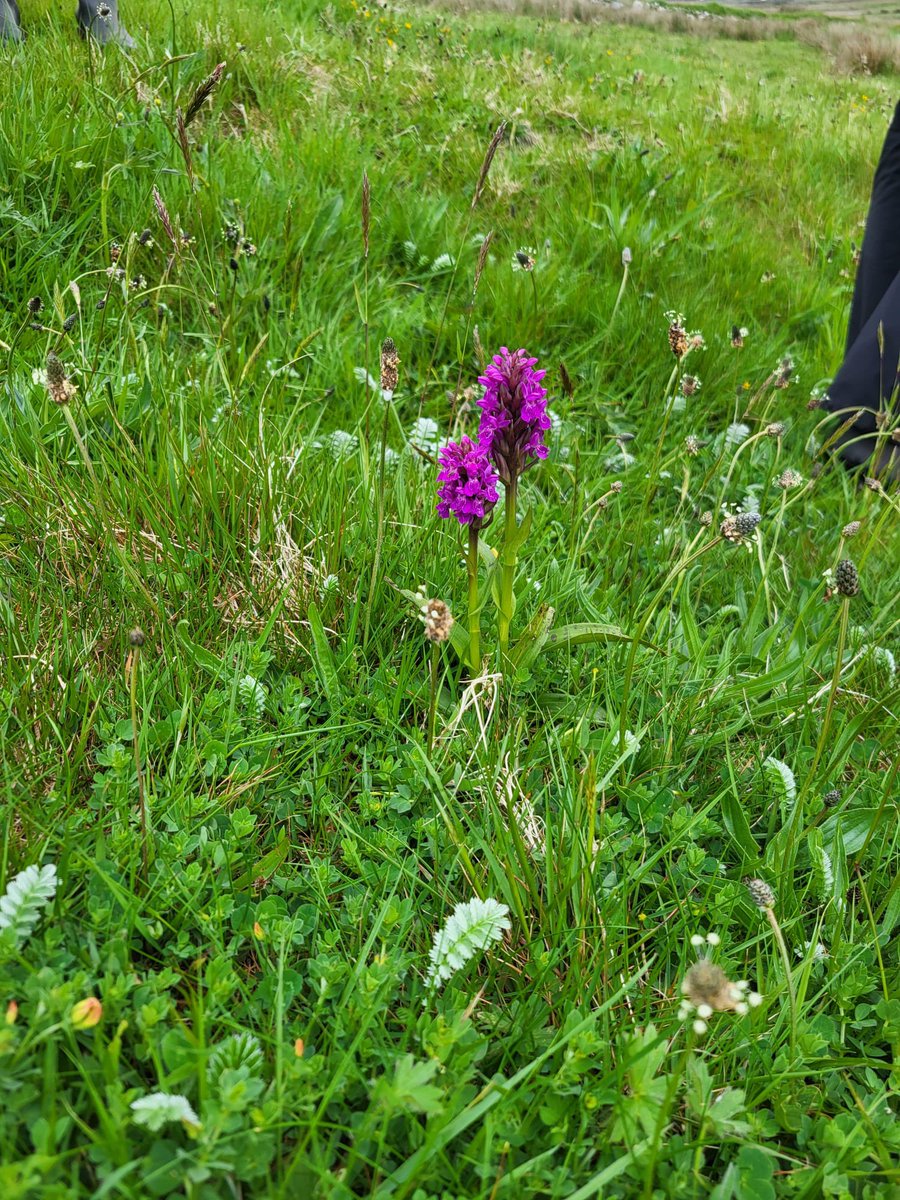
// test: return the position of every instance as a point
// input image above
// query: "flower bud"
(86, 1013)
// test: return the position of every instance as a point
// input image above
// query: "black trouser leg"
(868, 376)
(9, 20)
(100, 19)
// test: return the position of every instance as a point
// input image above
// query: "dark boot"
(9, 21)
(100, 19)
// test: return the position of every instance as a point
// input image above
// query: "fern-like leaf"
(26, 895)
(158, 1109)
(472, 926)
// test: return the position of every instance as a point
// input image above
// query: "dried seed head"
(707, 987)
(740, 526)
(832, 797)
(678, 338)
(136, 637)
(874, 485)
(616, 485)
(390, 363)
(850, 530)
(692, 445)
(706, 519)
(438, 620)
(482, 260)
(760, 893)
(488, 159)
(737, 336)
(202, 94)
(59, 386)
(775, 430)
(846, 578)
(165, 219)
(35, 304)
(114, 251)
(813, 403)
(790, 479)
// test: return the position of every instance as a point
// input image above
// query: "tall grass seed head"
(850, 530)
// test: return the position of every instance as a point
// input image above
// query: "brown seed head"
(438, 620)
(707, 983)
(846, 578)
(202, 94)
(678, 339)
(390, 363)
(136, 637)
(59, 386)
(850, 530)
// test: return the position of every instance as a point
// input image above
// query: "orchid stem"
(474, 608)
(507, 571)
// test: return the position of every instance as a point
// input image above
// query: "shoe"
(99, 19)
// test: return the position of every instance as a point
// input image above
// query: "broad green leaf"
(323, 658)
(530, 644)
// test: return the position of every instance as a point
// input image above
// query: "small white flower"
(754, 999)
(699, 1027)
(697, 939)
(705, 1011)
(713, 939)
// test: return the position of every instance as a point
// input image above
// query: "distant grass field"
(216, 693)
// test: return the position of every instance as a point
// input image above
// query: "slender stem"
(615, 308)
(474, 607)
(832, 691)
(680, 566)
(379, 535)
(789, 983)
(79, 442)
(432, 701)
(142, 799)
(507, 571)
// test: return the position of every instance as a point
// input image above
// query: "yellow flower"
(86, 1013)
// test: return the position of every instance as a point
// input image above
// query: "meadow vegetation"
(303, 897)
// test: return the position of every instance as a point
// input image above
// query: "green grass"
(234, 497)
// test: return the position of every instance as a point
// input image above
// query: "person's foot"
(9, 21)
(99, 19)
